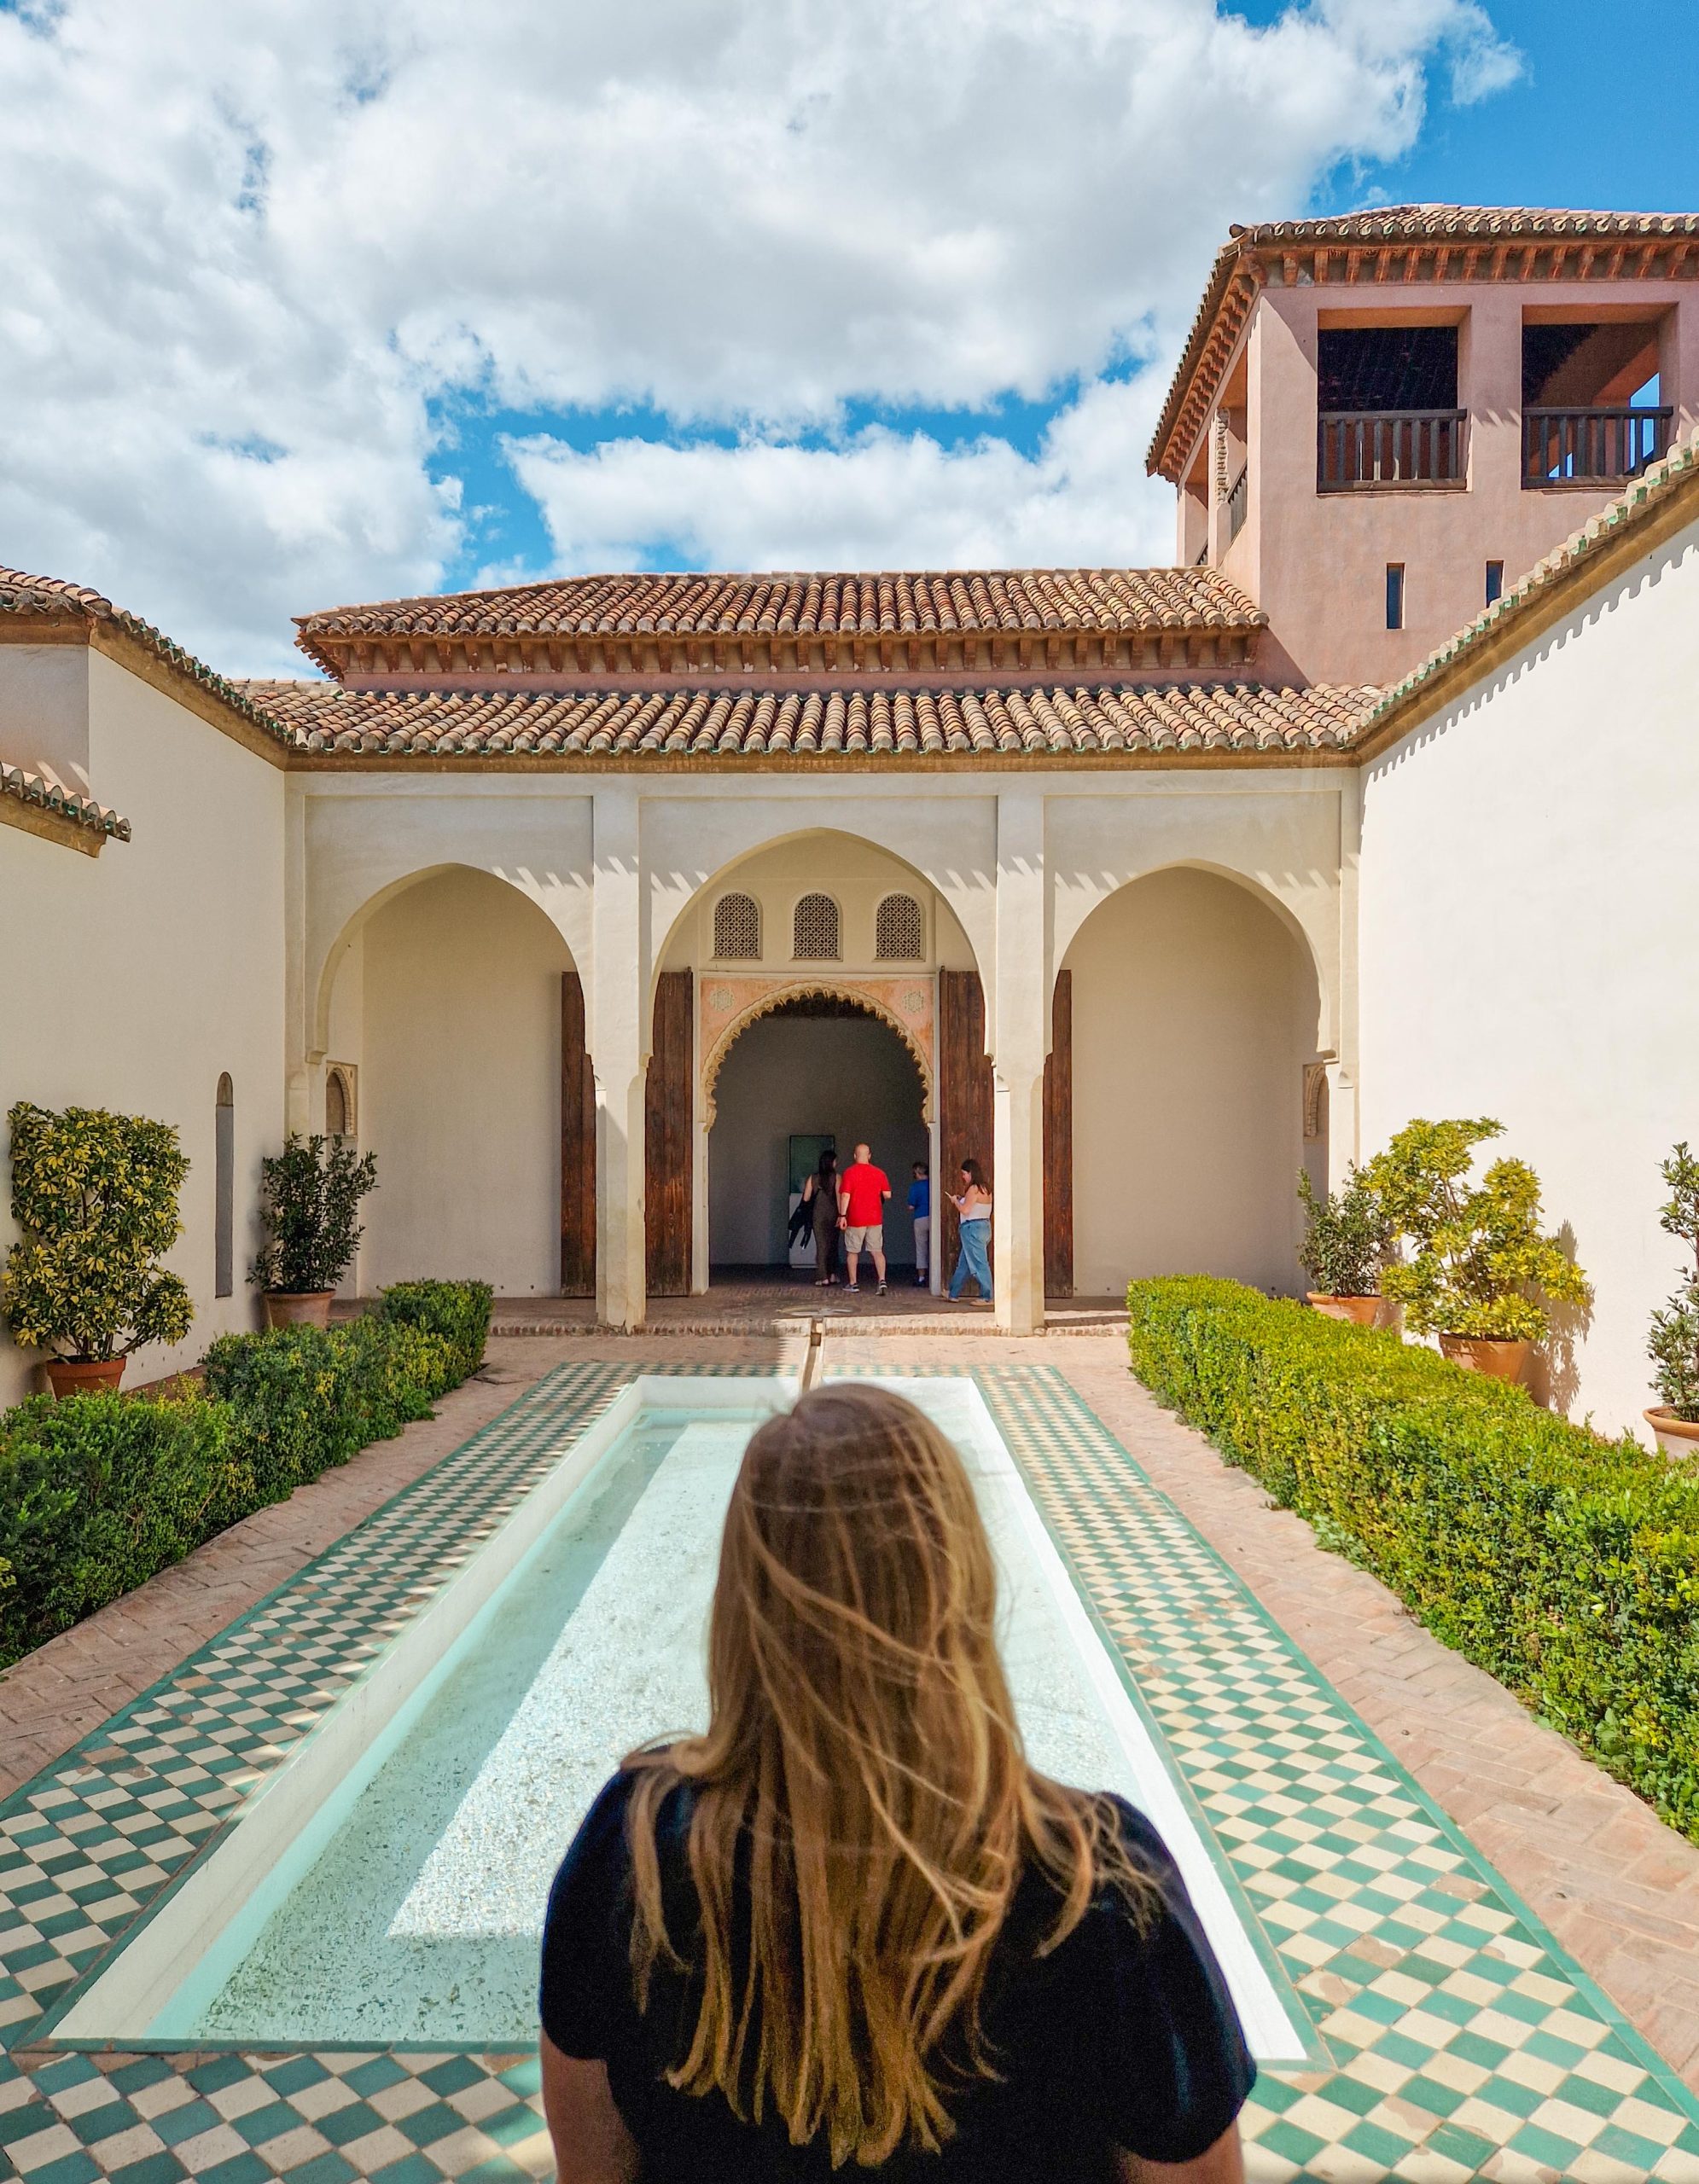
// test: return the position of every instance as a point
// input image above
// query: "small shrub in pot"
(95, 1195)
(1347, 1239)
(309, 1210)
(1674, 1343)
(1482, 1275)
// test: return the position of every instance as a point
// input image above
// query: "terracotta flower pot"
(298, 1308)
(80, 1376)
(1676, 1437)
(1481, 1353)
(1361, 1311)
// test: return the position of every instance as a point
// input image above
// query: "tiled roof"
(1426, 243)
(80, 811)
(1674, 480)
(1230, 718)
(823, 619)
(51, 598)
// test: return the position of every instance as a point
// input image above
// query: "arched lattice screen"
(737, 929)
(814, 931)
(896, 931)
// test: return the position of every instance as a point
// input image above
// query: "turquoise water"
(410, 1908)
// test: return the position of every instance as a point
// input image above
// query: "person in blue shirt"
(920, 1205)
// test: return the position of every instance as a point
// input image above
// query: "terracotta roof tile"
(1675, 478)
(1580, 244)
(82, 810)
(1238, 718)
(53, 598)
(827, 603)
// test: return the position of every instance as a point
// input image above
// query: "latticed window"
(814, 932)
(896, 931)
(737, 929)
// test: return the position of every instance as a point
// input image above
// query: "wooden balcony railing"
(1368, 451)
(1238, 504)
(1591, 447)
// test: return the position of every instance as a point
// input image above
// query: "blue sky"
(1573, 129)
(370, 297)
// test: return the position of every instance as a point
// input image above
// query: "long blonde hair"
(862, 1765)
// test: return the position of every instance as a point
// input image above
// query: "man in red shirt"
(862, 1190)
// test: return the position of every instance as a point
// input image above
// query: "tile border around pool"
(91, 1844)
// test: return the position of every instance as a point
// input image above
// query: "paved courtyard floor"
(1482, 1926)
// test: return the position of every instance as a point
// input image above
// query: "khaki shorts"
(865, 1239)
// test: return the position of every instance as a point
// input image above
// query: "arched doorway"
(1195, 1010)
(815, 1066)
(446, 1000)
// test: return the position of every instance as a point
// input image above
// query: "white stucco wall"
(460, 1086)
(1194, 1010)
(1529, 904)
(133, 979)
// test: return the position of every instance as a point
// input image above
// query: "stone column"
(617, 1030)
(1020, 1039)
(303, 1063)
(1343, 1064)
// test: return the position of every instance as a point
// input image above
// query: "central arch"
(815, 1062)
(909, 1014)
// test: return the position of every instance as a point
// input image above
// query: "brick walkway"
(1619, 1890)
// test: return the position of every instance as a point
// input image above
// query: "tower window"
(1394, 595)
(1495, 582)
(737, 929)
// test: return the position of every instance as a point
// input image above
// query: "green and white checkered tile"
(1465, 2044)
(1464, 2041)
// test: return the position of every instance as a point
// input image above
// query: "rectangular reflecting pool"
(385, 1886)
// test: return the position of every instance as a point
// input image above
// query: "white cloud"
(245, 246)
(882, 499)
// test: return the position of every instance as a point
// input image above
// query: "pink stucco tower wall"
(1243, 414)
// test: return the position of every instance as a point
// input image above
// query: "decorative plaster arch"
(915, 1028)
(323, 977)
(977, 925)
(1321, 968)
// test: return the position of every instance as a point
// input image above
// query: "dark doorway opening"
(819, 1066)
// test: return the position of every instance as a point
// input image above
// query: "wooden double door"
(966, 1120)
(964, 1131)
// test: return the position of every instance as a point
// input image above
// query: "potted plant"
(309, 1206)
(96, 1196)
(1345, 1244)
(1481, 1275)
(1674, 1344)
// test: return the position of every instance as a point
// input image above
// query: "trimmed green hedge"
(100, 1491)
(1566, 1566)
(458, 1311)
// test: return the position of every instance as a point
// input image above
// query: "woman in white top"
(974, 1207)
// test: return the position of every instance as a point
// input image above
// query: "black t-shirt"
(1117, 2038)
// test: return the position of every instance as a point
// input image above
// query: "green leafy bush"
(95, 1195)
(99, 1491)
(309, 1209)
(458, 1311)
(1347, 1237)
(1674, 1344)
(1481, 1265)
(1566, 1566)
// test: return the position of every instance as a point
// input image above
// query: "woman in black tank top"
(849, 1931)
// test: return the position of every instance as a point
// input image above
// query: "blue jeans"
(975, 1258)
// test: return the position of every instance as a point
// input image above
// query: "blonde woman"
(850, 1928)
